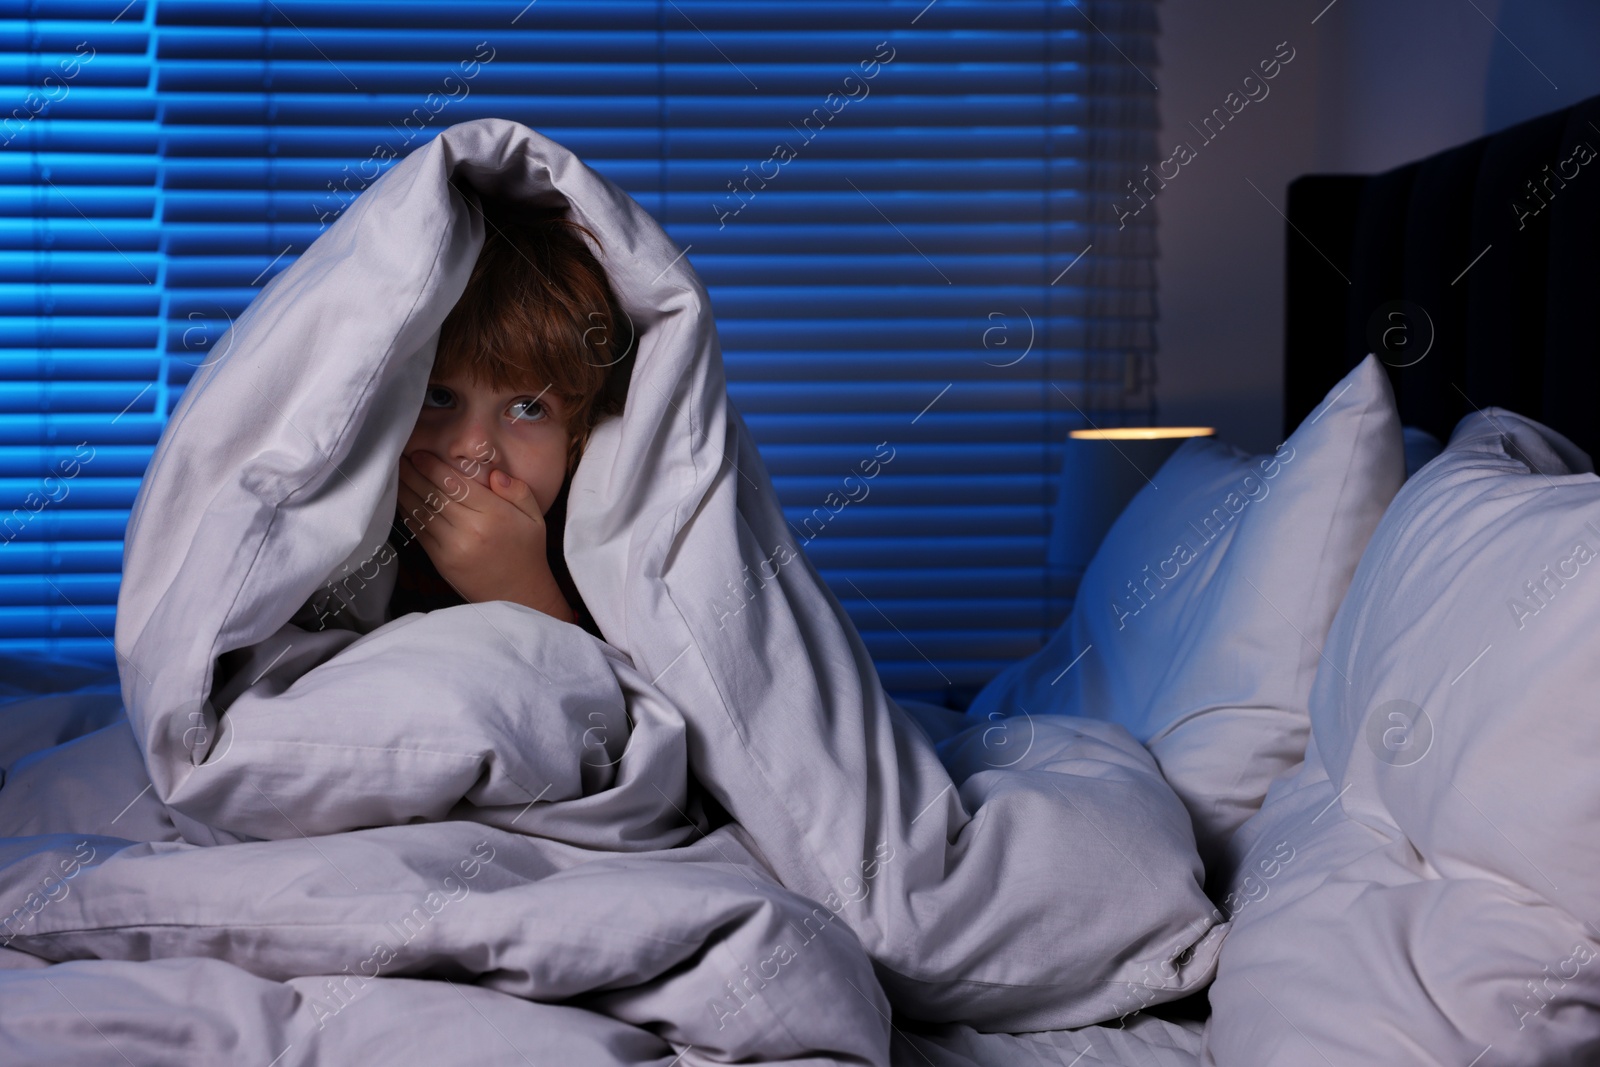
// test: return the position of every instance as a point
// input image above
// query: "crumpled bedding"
(1430, 869)
(711, 836)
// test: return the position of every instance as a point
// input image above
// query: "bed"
(1264, 798)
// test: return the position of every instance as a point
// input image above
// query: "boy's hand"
(487, 543)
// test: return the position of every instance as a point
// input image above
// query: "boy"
(534, 354)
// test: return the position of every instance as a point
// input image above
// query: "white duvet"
(292, 827)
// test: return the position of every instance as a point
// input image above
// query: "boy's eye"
(440, 396)
(526, 409)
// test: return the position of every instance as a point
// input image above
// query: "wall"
(1373, 84)
(1220, 270)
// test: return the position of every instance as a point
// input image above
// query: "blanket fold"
(640, 940)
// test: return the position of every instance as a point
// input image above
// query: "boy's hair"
(538, 312)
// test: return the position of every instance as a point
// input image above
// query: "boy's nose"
(472, 451)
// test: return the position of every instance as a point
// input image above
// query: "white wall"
(1374, 84)
(1220, 331)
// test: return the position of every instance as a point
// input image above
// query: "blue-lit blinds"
(902, 211)
(82, 284)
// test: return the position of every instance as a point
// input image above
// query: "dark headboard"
(1380, 262)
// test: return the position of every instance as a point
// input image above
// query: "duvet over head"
(1056, 889)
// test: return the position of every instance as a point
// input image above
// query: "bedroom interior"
(1093, 564)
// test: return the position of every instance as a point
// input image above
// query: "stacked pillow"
(1440, 899)
(1199, 623)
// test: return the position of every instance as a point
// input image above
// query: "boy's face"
(477, 430)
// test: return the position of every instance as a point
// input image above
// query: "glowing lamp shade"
(1101, 471)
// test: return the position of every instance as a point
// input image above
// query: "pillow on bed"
(1198, 622)
(1428, 886)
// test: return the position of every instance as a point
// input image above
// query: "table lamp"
(1101, 471)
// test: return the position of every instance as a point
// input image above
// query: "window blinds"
(905, 213)
(81, 274)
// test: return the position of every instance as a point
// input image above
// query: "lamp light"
(1101, 471)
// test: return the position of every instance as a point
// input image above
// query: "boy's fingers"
(518, 493)
(425, 496)
(428, 488)
(418, 515)
(414, 487)
(435, 474)
(411, 478)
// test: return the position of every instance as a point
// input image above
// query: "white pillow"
(1198, 623)
(1442, 886)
